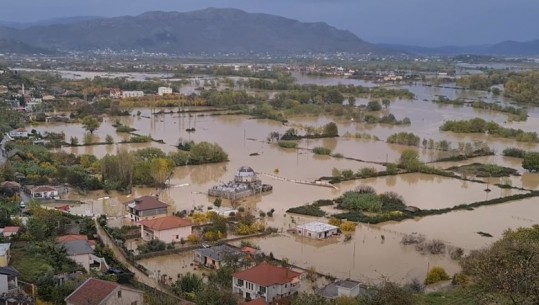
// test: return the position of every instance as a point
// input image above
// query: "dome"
(245, 171)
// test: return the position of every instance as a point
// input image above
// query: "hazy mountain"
(17, 47)
(207, 31)
(506, 48)
(66, 20)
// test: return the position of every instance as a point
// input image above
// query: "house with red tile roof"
(265, 281)
(44, 192)
(167, 229)
(99, 292)
(146, 207)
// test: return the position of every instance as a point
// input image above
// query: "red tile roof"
(44, 188)
(266, 275)
(91, 292)
(166, 223)
(11, 229)
(148, 203)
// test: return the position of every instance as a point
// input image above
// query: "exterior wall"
(171, 235)
(83, 260)
(3, 283)
(207, 261)
(18, 134)
(135, 215)
(164, 90)
(349, 292)
(4, 259)
(45, 194)
(132, 94)
(127, 297)
(316, 235)
(272, 293)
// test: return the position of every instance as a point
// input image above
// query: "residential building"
(164, 90)
(166, 229)
(317, 230)
(342, 288)
(99, 292)
(19, 133)
(9, 231)
(5, 254)
(8, 279)
(129, 94)
(48, 98)
(215, 257)
(3, 89)
(146, 207)
(266, 281)
(71, 237)
(79, 251)
(44, 192)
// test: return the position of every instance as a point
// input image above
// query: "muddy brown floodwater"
(367, 256)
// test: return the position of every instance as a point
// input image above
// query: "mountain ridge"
(207, 31)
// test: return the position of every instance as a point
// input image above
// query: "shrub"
(347, 226)
(287, 144)
(435, 275)
(335, 221)
(514, 152)
(319, 150)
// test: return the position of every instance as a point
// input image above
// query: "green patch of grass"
(485, 170)
(287, 144)
(28, 265)
(456, 296)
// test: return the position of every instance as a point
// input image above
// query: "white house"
(317, 230)
(8, 279)
(164, 90)
(99, 292)
(19, 133)
(127, 94)
(267, 282)
(5, 254)
(44, 192)
(79, 251)
(166, 229)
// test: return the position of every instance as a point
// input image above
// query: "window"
(177, 236)
(262, 289)
(239, 283)
(119, 294)
(134, 303)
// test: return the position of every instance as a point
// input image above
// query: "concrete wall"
(83, 260)
(175, 235)
(127, 297)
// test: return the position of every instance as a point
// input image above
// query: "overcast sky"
(421, 22)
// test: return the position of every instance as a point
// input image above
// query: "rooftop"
(147, 203)
(91, 292)
(166, 223)
(318, 227)
(245, 171)
(11, 229)
(10, 271)
(331, 290)
(43, 188)
(71, 237)
(266, 275)
(77, 247)
(218, 253)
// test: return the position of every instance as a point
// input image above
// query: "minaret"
(23, 89)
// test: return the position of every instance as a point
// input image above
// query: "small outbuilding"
(317, 230)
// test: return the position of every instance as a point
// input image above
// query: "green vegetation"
(482, 81)
(514, 152)
(478, 125)
(123, 128)
(505, 272)
(404, 138)
(287, 144)
(531, 161)
(320, 150)
(386, 119)
(516, 114)
(374, 106)
(484, 170)
(523, 87)
(312, 209)
(90, 123)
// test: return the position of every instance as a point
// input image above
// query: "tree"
(74, 141)
(386, 103)
(160, 170)
(213, 295)
(531, 162)
(374, 106)
(409, 159)
(90, 123)
(217, 202)
(331, 130)
(388, 293)
(109, 140)
(508, 271)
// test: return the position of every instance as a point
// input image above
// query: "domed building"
(246, 183)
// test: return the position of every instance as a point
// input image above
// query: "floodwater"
(367, 256)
